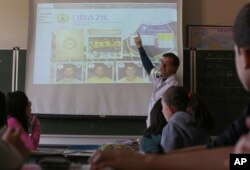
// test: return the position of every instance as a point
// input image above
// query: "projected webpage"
(94, 43)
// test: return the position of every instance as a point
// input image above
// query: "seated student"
(3, 116)
(189, 121)
(203, 159)
(241, 35)
(12, 150)
(151, 140)
(20, 117)
(194, 160)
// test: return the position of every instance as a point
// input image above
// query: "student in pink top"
(19, 117)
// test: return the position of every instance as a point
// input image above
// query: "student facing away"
(189, 120)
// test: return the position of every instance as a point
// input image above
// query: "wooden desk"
(73, 167)
(75, 155)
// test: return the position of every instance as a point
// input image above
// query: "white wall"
(14, 17)
(210, 12)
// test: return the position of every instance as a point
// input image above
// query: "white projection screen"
(80, 54)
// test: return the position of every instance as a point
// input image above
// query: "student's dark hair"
(157, 121)
(3, 116)
(176, 61)
(241, 28)
(183, 100)
(16, 106)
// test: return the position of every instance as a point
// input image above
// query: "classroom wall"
(14, 18)
(210, 12)
(14, 23)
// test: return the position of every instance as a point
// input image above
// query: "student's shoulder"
(172, 126)
(12, 121)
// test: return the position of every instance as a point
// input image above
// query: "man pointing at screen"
(169, 64)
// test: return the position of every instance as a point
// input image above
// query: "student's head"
(174, 99)
(18, 106)
(169, 64)
(241, 35)
(3, 116)
(157, 120)
(178, 98)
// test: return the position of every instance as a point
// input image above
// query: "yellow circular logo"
(62, 18)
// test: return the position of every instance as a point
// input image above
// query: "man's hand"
(138, 41)
(243, 144)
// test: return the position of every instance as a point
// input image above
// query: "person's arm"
(32, 141)
(10, 158)
(243, 144)
(188, 149)
(146, 62)
(232, 133)
(197, 160)
(36, 131)
(12, 149)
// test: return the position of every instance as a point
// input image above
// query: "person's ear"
(245, 57)
(171, 108)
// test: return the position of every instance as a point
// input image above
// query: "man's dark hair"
(176, 62)
(241, 28)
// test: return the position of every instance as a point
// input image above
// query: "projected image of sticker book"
(69, 73)
(129, 72)
(100, 72)
(104, 46)
(68, 46)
